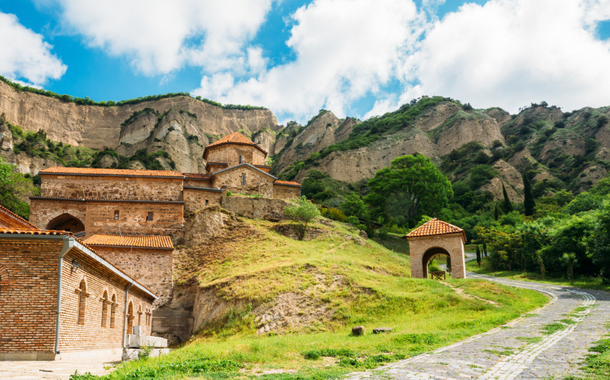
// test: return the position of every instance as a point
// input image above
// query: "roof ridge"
(15, 216)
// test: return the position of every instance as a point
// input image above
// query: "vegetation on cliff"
(15, 188)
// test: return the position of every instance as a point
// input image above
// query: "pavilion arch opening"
(430, 254)
(66, 222)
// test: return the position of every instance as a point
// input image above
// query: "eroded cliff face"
(99, 127)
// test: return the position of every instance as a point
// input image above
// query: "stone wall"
(90, 334)
(453, 244)
(118, 188)
(256, 182)
(196, 199)
(28, 296)
(229, 154)
(43, 211)
(255, 208)
(286, 192)
(167, 218)
(197, 183)
(150, 267)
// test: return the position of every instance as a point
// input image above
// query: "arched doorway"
(430, 254)
(66, 222)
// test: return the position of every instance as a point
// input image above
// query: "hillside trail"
(519, 349)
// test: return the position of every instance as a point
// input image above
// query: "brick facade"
(115, 187)
(256, 182)
(28, 295)
(44, 213)
(149, 266)
(229, 154)
(197, 198)
(286, 192)
(28, 299)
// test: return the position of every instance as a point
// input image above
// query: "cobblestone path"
(517, 350)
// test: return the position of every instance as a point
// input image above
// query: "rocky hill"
(180, 125)
(557, 149)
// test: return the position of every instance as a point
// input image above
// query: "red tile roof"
(130, 241)
(9, 219)
(289, 183)
(233, 138)
(113, 172)
(31, 231)
(435, 227)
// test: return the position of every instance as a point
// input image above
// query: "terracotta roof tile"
(233, 138)
(9, 219)
(31, 231)
(435, 227)
(114, 172)
(130, 241)
(290, 183)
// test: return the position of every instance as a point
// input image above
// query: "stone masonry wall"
(255, 208)
(229, 154)
(91, 335)
(150, 267)
(286, 192)
(195, 199)
(453, 244)
(256, 182)
(44, 211)
(98, 187)
(167, 218)
(28, 295)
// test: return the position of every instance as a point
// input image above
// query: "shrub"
(305, 212)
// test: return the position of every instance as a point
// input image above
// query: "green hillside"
(355, 284)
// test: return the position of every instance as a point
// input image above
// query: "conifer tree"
(508, 206)
(496, 213)
(485, 249)
(478, 256)
(528, 200)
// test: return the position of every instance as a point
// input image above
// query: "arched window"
(113, 311)
(140, 315)
(130, 318)
(105, 308)
(82, 296)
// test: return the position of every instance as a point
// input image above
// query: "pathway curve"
(504, 352)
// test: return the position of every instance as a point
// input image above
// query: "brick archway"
(433, 238)
(66, 222)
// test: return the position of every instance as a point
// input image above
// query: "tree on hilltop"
(411, 187)
(305, 212)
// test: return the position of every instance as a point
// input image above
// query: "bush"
(305, 212)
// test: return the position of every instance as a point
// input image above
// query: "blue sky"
(354, 57)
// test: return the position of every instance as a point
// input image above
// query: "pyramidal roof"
(435, 227)
(234, 138)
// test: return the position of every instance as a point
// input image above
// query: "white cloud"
(509, 53)
(344, 49)
(159, 36)
(24, 54)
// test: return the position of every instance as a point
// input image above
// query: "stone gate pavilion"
(436, 237)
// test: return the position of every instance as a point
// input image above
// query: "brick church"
(111, 278)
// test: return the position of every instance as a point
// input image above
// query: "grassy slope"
(374, 290)
(579, 282)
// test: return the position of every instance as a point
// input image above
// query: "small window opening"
(207, 202)
(116, 215)
(150, 216)
(243, 179)
(105, 309)
(82, 295)
(113, 311)
(240, 158)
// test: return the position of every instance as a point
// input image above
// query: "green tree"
(478, 256)
(528, 201)
(485, 249)
(412, 186)
(354, 206)
(507, 205)
(599, 243)
(15, 189)
(303, 211)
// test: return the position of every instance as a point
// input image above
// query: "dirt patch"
(460, 292)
